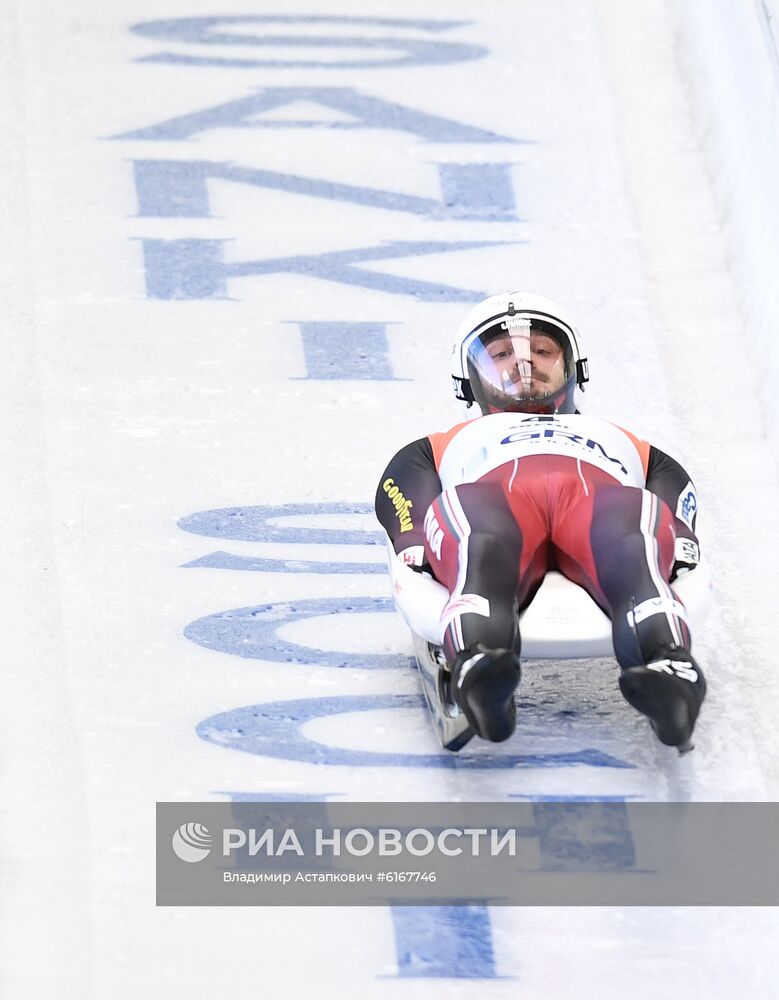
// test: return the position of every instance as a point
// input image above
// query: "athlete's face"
(547, 365)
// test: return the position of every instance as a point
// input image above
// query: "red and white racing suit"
(494, 503)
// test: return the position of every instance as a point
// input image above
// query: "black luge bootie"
(483, 685)
(669, 691)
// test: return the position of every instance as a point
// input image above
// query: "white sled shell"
(563, 622)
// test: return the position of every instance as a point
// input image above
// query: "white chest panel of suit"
(486, 443)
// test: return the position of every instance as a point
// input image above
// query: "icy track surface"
(231, 272)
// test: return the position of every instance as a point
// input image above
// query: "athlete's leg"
(618, 543)
(475, 548)
(488, 562)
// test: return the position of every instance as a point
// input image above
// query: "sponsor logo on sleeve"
(687, 551)
(401, 504)
(414, 555)
(687, 507)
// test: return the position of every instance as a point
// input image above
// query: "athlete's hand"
(414, 558)
(687, 555)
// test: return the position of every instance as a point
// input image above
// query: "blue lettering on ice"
(274, 730)
(255, 524)
(184, 269)
(278, 796)
(446, 942)
(196, 269)
(344, 351)
(584, 836)
(256, 564)
(479, 191)
(412, 51)
(610, 845)
(251, 633)
(249, 813)
(366, 112)
(179, 189)
(570, 798)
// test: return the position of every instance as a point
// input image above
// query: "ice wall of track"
(729, 55)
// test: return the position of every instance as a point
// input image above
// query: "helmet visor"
(522, 364)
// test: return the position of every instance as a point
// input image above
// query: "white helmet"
(518, 351)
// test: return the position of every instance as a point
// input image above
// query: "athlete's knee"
(631, 547)
(493, 559)
(624, 559)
